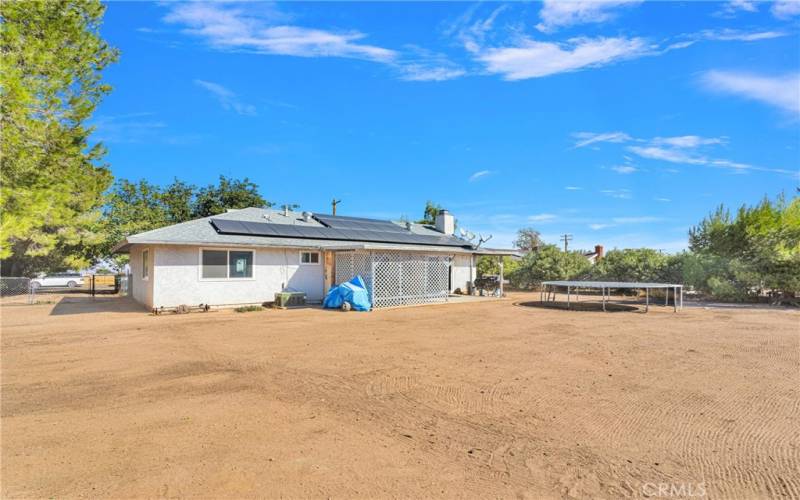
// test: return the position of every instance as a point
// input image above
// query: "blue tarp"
(354, 292)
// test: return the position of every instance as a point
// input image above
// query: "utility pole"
(335, 202)
(566, 238)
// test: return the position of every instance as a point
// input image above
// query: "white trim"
(300, 258)
(227, 263)
(146, 264)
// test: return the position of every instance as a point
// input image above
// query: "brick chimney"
(598, 250)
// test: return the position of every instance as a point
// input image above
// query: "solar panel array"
(348, 233)
(358, 223)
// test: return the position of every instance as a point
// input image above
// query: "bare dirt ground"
(470, 400)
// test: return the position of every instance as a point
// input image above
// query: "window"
(146, 264)
(226, 264)
(309, 257)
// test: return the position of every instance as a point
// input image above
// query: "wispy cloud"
(785, 9)
(662, 200)
(597, 227)
(573, 188)
(227, 98)
(689, 141)
(782, 92)
(620, 194)
(559, 13)
(535, 59)
(542, 218)
(636, 220)
(682, 157)
(127, 128)
(733, 7)
(624, 169)
(587, 138)
(730, 35)
(480, 174)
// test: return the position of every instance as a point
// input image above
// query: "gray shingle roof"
(201, 232)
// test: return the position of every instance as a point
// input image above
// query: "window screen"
(241, 264)
(215, 263)
(309, 258)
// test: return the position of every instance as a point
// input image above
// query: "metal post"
(666, 301)
(603, 291)
(647, 299)
(501, 275)
(675, 299)
(681, 297)
(567, 296)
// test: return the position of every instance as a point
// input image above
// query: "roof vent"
(307, 216)
(408, 225)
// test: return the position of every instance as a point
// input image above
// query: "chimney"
(445, 222)
(598, 250)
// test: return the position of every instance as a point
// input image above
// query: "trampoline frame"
(606, 286)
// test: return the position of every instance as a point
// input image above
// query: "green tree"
(549, 263)
(52, 178)
(431, 211)
(177, 200)
(488, 264)
(133, 207)
(528, 239)
(636, 264)
(229, 193)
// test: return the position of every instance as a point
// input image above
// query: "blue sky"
(619, 122)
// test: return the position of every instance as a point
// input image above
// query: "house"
(245, 256)
(593, 257)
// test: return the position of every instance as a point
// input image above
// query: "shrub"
(244, 309)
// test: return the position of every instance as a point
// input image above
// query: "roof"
(203, 232)
(610, 284)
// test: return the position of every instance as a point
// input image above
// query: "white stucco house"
(245, 256)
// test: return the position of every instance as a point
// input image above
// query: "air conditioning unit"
(290, 299)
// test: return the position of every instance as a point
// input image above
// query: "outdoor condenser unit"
(290, 299)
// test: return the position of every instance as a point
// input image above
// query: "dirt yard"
(481, 400)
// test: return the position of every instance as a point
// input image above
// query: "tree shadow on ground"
(89, 305)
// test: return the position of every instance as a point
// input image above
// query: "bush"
(244, 309)
(549, 263)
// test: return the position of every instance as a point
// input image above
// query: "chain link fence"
(17, 290)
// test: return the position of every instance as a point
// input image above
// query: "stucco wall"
(141, 289)
(177, 278)
(460, 274)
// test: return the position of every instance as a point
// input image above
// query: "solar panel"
(226, 226)
(358, 223)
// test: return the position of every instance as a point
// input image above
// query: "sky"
(621, 123)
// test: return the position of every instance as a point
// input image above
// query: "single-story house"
(245, 256)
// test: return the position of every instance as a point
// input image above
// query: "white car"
(71, 280)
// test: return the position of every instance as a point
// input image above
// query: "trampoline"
(606, 286)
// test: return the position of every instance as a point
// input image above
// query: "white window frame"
(319, 258)
(146, 264)
(227, 263)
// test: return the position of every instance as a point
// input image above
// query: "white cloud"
(534, 59)
(559, 13)
(542, 218)
(689, 141)
(597, 227)
(573, 188)
(479, 175)
(785, 9)
(782, 92)
(732, 7)
(680, 156)
(127, 128)
(227, 99)
(662, 200)
(587, 138)
(621, 194)
(729, 35)
(231, 28)
(624, 169)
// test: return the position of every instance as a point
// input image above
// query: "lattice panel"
(404, 278)
(351, 264)
(397, 278)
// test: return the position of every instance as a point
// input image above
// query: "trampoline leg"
(666, 301)
(681, 298)
(647, 299)
(603, 291)
(567, 297)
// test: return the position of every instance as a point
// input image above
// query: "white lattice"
(397, 278)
